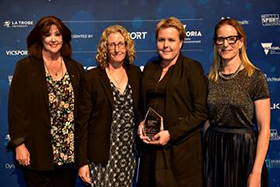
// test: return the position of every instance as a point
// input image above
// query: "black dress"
(231, 139)
(121, 165)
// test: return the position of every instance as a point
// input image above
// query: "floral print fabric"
(61, 106)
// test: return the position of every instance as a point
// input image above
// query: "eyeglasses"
(230, 39)
(120, 45)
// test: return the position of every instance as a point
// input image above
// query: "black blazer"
(185, 112)
(92, 130)
(29, 115)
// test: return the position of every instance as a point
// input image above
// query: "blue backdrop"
(87, 19)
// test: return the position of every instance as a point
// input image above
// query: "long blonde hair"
(216, 65)
(102, 49)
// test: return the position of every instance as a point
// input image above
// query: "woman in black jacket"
(43, 104)
(174, 86)
(106, 126)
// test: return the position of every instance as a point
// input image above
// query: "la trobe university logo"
(18, 23)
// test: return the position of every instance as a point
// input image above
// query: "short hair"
(216, 65)
(102, 49)
(34, 39)
(172, 22)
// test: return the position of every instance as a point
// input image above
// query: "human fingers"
(87, 178)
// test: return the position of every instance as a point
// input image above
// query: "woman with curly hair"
(107, 114)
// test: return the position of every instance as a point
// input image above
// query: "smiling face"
(169, 44)
(116, 47)
(225, 50)
(52, 41)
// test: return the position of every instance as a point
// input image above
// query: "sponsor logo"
(17, 24)
(89, 67)
(10, 77)
(7, 138)
(274, 135)
(269, 49)
(272, 79)
(82, 36)
(138, 35)
(275, 106)
(242, 22)
(270, 19)
(7, 24)
(85, 68)
(192, 36)
(16, 52)
(9, 166)
(272, 163)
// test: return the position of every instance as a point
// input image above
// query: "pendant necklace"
(54, 73)
(232, 75)
(118, 82)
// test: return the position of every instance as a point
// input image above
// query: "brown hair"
(102, 49)
(172, 22)
(34, 39)
(216, 65)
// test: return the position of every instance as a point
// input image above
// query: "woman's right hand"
(22, 155)
(140, 132)
(84, 174)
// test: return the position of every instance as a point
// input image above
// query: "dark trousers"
(61, 176)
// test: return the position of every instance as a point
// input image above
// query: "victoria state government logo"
(269, 49)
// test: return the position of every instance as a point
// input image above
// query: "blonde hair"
(216, 65)
(102, 49)
(172, 22)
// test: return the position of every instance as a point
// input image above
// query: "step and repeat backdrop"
(87, 19)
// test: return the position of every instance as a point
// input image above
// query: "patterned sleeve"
(260, 88)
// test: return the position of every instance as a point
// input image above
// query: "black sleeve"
(17, 105)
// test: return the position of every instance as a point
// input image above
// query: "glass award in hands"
(153, 123)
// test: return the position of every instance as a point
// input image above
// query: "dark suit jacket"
(185, 112)
(92, 130)
(29, 115)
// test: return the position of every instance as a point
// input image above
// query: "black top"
(231, 102)
(156, 90)
(184, 112)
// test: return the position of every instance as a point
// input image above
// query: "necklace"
(117, 82)
(232, 75)
(54, 72)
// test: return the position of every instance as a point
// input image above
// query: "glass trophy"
(153, 123)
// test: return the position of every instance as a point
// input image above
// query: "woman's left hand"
(161, 138)
(254, 180)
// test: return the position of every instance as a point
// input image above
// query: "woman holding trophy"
(174, 95)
